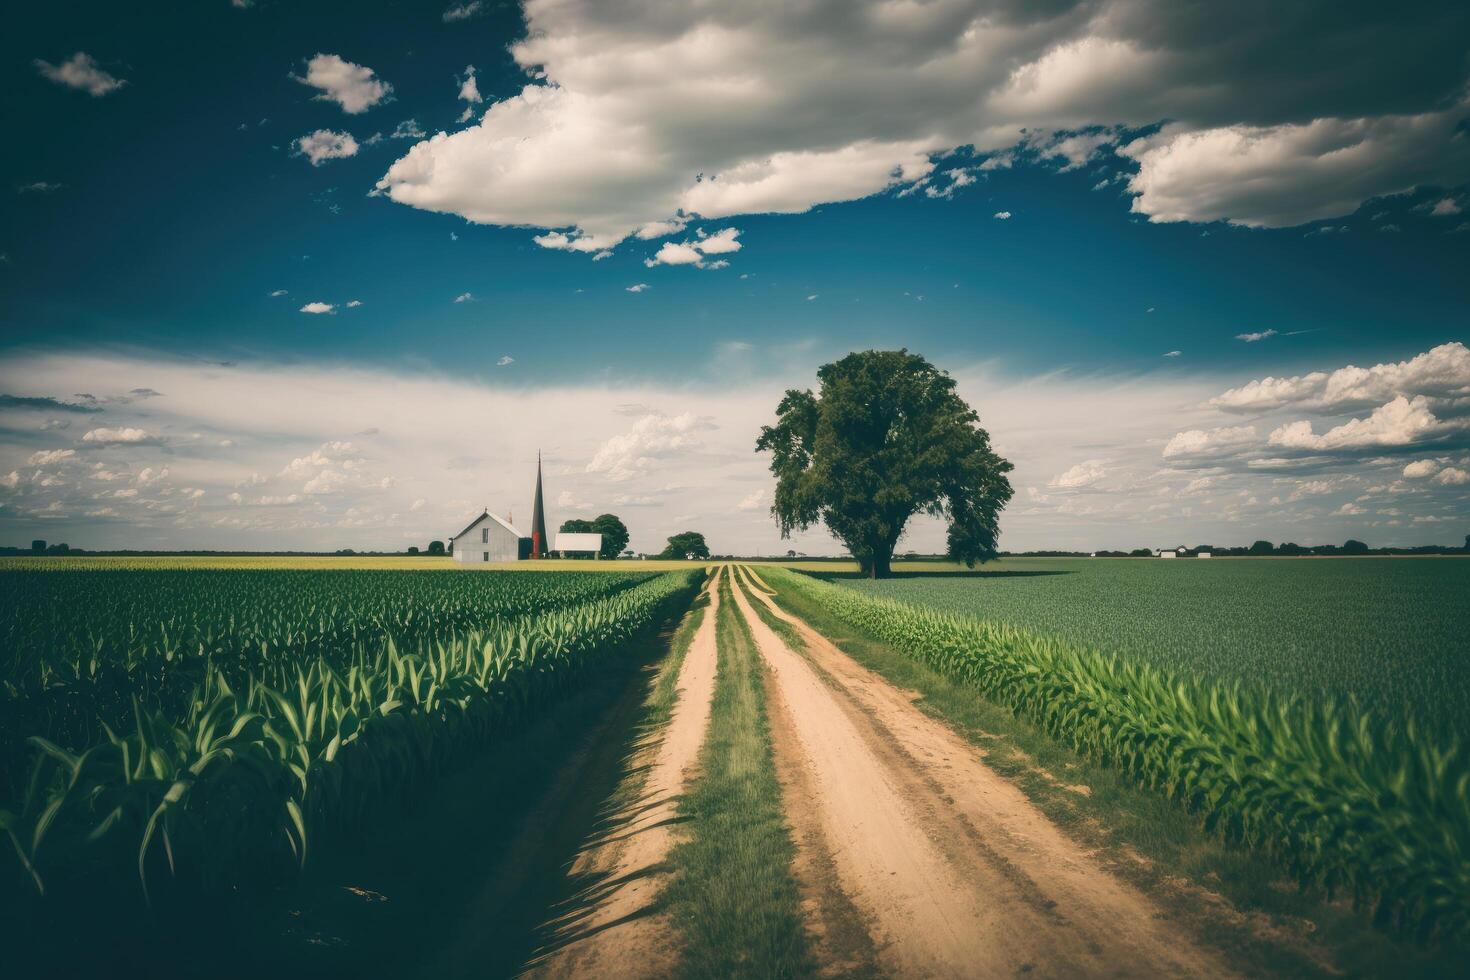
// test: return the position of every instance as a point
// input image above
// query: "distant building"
(570, 543)
(1172, 552)
(488, 538)
(1202, 554)
(492, 538)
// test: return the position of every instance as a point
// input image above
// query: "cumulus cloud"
(1002, 216)
(1401, 422)
(1196, 443)
(1442, 373)
(1082, 475)
(781, 108)
(325, 144)
(1452, 476)
(353, 87)
(652, 438)
(80, 72)
(465, 298)
(275, 293)
(722, 242)
(505, 359)
(353, 304)
(409, 129)
(1276, 176)
(126, 436)
(469, 89)
(1420, 468)
(318, 307)
(637, 287)
(49, 457)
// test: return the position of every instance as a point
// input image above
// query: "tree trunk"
(882, 566)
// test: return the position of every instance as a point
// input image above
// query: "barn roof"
(476, 523)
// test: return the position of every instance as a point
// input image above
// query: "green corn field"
(1349, 801)
(204, 727)
(1387, 632)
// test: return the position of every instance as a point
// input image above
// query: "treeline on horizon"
(1260, 549)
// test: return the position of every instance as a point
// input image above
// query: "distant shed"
(569, 543)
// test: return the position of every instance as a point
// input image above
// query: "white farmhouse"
(488, 538)
(568, 542)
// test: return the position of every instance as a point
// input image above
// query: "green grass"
(1145, 836)
(734, 899)
(1388, 631)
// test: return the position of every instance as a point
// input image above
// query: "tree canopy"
(885, 438)
(685, 543)
(614, 534)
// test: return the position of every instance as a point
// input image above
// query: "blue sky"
(680, 212)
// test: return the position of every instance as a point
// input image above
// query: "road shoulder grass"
(734, 899)
(1232, 898)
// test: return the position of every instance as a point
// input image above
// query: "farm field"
(172, 733)
(1389, 632)
(205, 726)
(330, 562)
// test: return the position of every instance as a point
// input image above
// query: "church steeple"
(538, 517)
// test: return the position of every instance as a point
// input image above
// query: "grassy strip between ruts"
(734, 899)
(1266, 924)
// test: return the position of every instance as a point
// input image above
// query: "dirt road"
(949, 868)
(611, 932)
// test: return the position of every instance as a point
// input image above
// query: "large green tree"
(685, 543)
(614, 534)
(885, 438)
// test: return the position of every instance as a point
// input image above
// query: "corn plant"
(1345, 799)
(281, 739)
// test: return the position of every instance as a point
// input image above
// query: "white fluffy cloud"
(1442, 373)
(353, 87)
(120, 436)
(1256, 337)
(1196, 443)
(779, 108)
(651, 439)
(1084, 474)
(1421, 468)
(318, 307)
(722, 242)
(1274, 176)
(325, 144)
(1452, 476)
(1401, 422)
(81, 72)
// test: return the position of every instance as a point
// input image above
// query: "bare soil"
(948, 867)
(615, 930)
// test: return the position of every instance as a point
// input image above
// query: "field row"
(205, 727)
(1346, 802)
(1388, 633)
